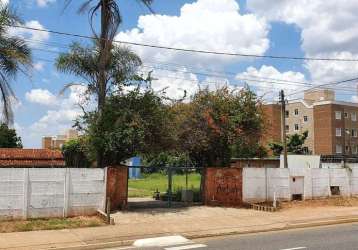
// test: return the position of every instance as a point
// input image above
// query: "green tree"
(295, 144)
(75, 153)
(133, 123)
(120, 71)
(9, 138)
(216, 125)
(110, 19)
(15, 57)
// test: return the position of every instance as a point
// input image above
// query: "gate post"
(169, 186)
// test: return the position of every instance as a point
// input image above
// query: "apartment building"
(56, 142)
(332, 125)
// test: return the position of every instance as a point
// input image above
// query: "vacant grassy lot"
(50, 224)
(146, 186)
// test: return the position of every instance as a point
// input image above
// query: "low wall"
(259, 184)
(223, 186)
(117, 186)
(50, 192)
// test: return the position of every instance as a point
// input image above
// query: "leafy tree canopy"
(217, 125)
(9, 138)
(295, 144)
(133, 123)
(75, 153)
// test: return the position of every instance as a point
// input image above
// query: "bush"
(177, 193)
(74, 152)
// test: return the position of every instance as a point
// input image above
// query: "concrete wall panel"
(254, 185)
(50, 192)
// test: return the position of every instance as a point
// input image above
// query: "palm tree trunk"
(105, 44)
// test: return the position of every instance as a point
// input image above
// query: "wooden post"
(169, 187)
(108, 210)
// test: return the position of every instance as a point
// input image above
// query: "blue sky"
(288, 27)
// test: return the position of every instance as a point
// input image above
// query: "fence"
(51, 192)
(260, 184)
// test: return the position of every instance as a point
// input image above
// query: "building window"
(287, 113)
(338, 115)
(347, 132)
(296, 127)
(338, 132)
(339, 149)
(305, 118)
(347, 149)
(354, 133)
(355, 149)
(296, 111)
(354, 117)
(287, 128)
(345, 115)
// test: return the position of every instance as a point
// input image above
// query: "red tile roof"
(14, 157)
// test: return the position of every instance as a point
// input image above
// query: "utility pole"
(283, 128)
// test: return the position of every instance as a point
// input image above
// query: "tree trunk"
(105, 45)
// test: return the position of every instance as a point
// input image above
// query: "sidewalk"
(194, 222)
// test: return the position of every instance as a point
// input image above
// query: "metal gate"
(151, 187)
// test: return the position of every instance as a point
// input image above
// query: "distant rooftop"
(15, 157)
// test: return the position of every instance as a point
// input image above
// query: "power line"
(256, 79)
(192, 50)
(323, 85)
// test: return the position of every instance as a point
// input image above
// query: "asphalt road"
(338, 237)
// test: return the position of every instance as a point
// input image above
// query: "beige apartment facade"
(56, 142)
(332, 125)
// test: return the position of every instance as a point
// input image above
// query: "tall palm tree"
(15, 57)
(110, 18)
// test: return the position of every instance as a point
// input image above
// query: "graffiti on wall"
(224, 186)
(227, 184)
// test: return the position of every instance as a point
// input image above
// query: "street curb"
(125, 243)
(122, 243)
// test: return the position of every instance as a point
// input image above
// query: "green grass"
(50, 224)
(146, 186)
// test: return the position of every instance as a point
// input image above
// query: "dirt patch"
(327, 202)
(50, 224)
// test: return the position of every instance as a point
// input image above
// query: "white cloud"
(175, 84)
(214, 25)
(39, 66)
(329, 29)
(182, 83)
(57, 119)
(44, 3)
(54, 121)
(41, 96)
(35, 37)
(270, 88)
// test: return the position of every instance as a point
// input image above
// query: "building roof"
(15, 157)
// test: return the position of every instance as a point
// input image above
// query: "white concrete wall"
(254, 185)
(301, 161)
(331, 165)
(259, 184)
(279, 183)
(51, 192)
(320, 183)
(339, 177)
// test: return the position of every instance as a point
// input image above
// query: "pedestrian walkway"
(193, 222)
